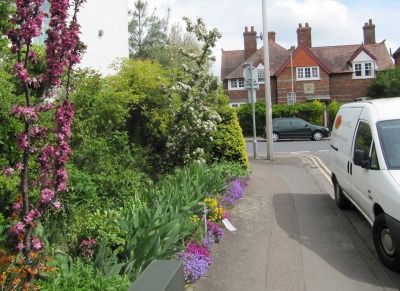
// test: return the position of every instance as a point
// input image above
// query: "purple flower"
(195, 266)
(235, 191)
(215, 230)
(196, 260)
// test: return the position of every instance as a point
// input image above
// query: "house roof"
(332, 58)
(337, 58)
(232, 61)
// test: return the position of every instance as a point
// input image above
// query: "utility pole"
(268, 103)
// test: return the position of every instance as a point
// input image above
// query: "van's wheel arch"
(384, 245)
(341, 201)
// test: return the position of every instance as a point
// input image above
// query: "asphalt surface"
(291, 236)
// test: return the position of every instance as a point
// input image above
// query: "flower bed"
(196, 256)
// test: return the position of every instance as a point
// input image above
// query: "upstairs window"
(261, 76)
(363, 70)
(236, 84)
(307, 73)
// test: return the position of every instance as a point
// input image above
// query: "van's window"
(363, 137)
(389, 133)
(374, 164)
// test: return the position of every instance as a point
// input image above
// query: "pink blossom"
(33, 214)
(46, 195)
(22, 140)
(8, 172)
(62, 187)
(57, 204)
(36, 243)
(20, 227)
(19, 166)
(17, 206)
(20, 246)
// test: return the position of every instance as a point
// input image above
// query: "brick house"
(327, 73)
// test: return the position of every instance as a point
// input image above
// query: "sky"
(332, 22)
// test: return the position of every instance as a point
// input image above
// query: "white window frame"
(363, 70)
(307, 73)
(261, 77)
(236, 84)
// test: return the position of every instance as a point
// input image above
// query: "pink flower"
(19, 166)
(20, 246)
(57, 205)
(17, 206)
(36, 243)
(33, 214)
(22, 140)
(20, 227)
(8, 172)
(46, 195)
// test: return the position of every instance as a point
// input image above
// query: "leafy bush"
(333, 108)
(245, 117)
(386, 84)
(77, 275)
(228, 141)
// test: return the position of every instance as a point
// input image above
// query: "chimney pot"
(246, 29)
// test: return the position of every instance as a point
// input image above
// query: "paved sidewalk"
(289, 237)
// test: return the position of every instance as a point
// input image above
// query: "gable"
(362, 57)
(303, 59)
(302, 56)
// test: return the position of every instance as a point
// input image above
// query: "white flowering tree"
(190, 138)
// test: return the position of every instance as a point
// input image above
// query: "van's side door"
(359, 176)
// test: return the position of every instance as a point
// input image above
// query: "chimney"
(396, 57)
(369, 32)
(271, 35)
(304, 35)
(250, 42)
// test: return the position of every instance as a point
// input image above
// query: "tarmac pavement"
(290, 236)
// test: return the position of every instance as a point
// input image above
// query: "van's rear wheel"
(384, 245)
(341, 201)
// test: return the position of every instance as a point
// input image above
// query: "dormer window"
(363, 70)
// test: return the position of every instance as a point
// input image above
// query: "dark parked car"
(293, 127)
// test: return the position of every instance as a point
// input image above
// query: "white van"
(365, 164)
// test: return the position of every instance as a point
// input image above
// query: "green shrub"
(77, 275)
(333, 108)
(312, 112)
(229, 143)
(245, 116)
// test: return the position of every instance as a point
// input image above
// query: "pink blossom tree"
(46, 147)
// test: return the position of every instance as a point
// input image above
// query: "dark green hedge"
(312, 112)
